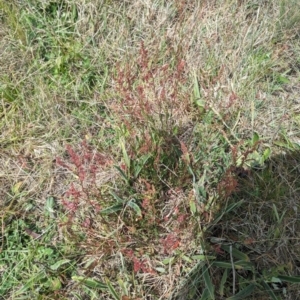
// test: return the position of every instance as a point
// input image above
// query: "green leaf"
(202, 191)
(140, 164)
(236, 253)
(197, 95)
(205, 295)
(112, 209)
(276, 212)
(243, 293)
(123, 174)
(112, 290)
(186, 258)
(292, 279)
(169, 260)
(244, 265)
(287, 143)
(223, 281)
(255, 138)
(282, 79)
(282, 215)
(208, 283)
(89, 282)
(119, 200)
(125, 286)
(269, 290)
(78, 297)
(239, 265)
(125, 155)
(226, 211)
(45, 251)
(160, 270)
(266, 154)
(49, 207)
(222, 264)
(16, 187)
(55, 284)
(59, 264)
(203, 257)
(135, 207)
(193, 206)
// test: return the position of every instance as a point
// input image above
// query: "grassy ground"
(149, 149)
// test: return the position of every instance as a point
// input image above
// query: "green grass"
(149, 150)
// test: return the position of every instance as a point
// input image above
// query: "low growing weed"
(33, 260)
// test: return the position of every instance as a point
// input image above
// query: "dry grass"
(135, 142)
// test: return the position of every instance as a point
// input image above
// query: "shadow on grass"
(260, 238)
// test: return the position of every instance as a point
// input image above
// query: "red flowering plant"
(82, 198)
(151, 107)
